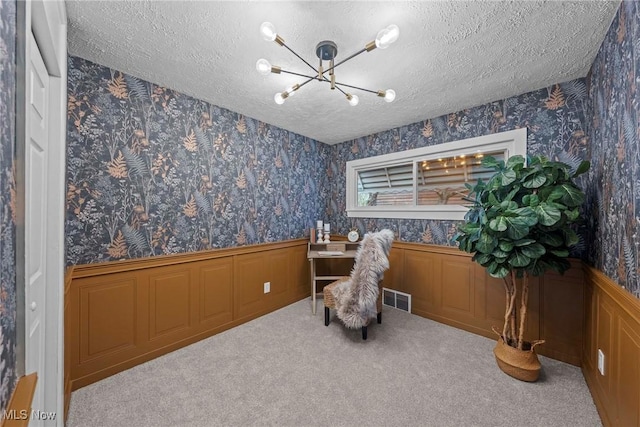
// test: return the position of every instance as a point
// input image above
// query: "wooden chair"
(357, 298)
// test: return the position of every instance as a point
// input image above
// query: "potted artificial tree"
(520, 226)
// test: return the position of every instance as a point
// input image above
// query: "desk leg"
(313, 285)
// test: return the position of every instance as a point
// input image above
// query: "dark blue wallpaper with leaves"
(555, 120)
(613, 183)
(7, 201)
(151, 171)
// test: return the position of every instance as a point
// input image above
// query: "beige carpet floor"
(288, 369)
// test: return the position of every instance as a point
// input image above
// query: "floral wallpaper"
(151, 171)
(613, 183)
(554, 117)
(7, 201)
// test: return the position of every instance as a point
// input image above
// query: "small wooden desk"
(313, 253)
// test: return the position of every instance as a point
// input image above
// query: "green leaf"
(486, 243)
(535, 160)
(514, 161)
(562, 253)
(470, 227)
(524, 242)
(490, 162)
(547, 215)
(506, 177)
(551, 239)
(518, 227)
(570, 237)
(498, 224)
(572, 214)
(512, 193)
(582, 168)
(509, 205)
(519, 260)
(481, 258)
(527, 214)
(493, 200)
(535, 250)
(499, 253)
(505, 245)
(499, 271)
(569, 195)
(531, 200)
(536, 180)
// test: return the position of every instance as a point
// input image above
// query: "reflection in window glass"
(441, 181)
(386, 186)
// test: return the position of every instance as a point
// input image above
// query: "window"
(428, 182)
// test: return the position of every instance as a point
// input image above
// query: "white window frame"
(513, 142)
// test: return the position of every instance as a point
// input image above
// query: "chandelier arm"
(324, 79)
(300, 57)
(346, 59)
(305, 82)
(356, 87)
(343, 92)
(299, 74)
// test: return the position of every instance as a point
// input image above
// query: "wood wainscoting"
(121, 314)
(446, 286)
(68, 277)
(612, 324)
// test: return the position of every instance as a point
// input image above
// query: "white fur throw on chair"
(356, 297)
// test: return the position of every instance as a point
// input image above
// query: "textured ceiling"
(450, 55)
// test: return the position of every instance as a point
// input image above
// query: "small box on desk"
(336, 247)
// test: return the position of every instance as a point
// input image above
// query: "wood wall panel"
(561, 314)
(249, 289)
(491, 297)
(107, 317)
(169, 302)
(393, 277)
(456, 286)
(627, 373)
(68, 276)
(446, 286)
(421, 275)
(216, 292)
(121, 314)
(612, 324)
(604, 336)
(278, 275)
(299, 272)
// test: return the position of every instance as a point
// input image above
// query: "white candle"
(326, 228)
(319, 224)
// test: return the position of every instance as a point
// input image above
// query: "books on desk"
(330, 253)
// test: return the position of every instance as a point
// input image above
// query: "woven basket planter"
(520, 364)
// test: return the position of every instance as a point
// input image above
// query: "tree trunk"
(523, 309)
(508, 330)
(512, 319)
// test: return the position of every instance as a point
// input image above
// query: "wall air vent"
(396, 299)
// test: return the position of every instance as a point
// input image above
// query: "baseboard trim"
(18, 411)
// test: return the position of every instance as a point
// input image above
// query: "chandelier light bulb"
(389, 95)
(353, 99)
(268, 31)
(386, 36)
(263, 66)
(279, 98)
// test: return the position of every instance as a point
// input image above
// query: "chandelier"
(326, 51)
